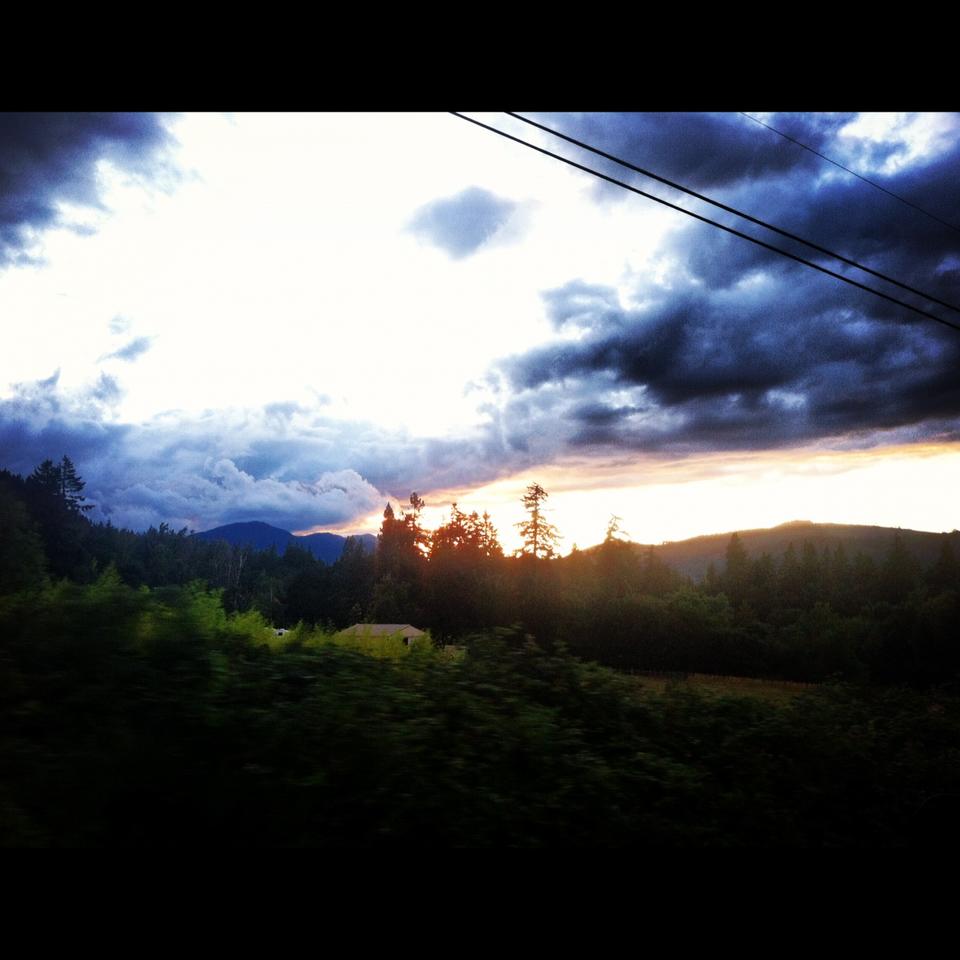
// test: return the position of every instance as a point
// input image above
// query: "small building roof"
(386, 630)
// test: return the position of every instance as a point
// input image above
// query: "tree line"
(808, 614)
(146, 700)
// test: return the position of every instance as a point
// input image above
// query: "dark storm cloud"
(46, 158)
(724, 371)
(463, 223)
(700, 150)
(851, 218)
(130, 351)
(741, 348)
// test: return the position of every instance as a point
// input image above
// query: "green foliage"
(22, 562)
(807, 615)
(382, 647)
(737, 574)
(146, 698)
(137, 717)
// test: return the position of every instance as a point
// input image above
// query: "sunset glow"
(248, 317)
(666, 500)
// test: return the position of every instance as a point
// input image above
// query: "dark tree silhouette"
(945, 573)
(71, 486)
(614, 531)
(539, 536)
(401, 559)
(465, 560)
(46, 477)
(736, 577)
(22, 561)
(62, 481)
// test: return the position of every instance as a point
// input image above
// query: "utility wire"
(889, 193)
(733, 210)
(714, 223)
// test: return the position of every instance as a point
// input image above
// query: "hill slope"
(693, 556)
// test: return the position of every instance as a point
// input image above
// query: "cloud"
(49, 158)
(219, 492)
(287, 464)
(130, 351)
(106, 390)
(738, 348)
(462, 224)
(699, 150)
(41, 421)
(704, 369)
(733, 348)
(119, 325)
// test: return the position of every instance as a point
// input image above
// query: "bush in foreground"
(139, 718)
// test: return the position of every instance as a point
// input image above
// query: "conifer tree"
(71, 486)
(898, 573)
(489, 541)
(810, 573)
(789, 578)
(737, 574)
(945, 573)
(400, 564)
(539, 536)
(47, 477)
(62, 481)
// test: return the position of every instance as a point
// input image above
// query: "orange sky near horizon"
(658, 500)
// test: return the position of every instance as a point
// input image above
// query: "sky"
(295, 318)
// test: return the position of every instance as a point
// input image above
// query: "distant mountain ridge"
(694, 556)
(262, 536)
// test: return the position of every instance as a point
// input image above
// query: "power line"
(889, 193)
(735, 211)
(713, 223)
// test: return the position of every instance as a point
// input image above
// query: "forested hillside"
(144, 680)
(815, 610)
(694, 556)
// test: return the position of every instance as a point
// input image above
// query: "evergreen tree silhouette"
(539, 536)
(71, 486)
(47, 478)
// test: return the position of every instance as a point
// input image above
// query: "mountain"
(328, 546)
(693, 556)
(262, 536)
